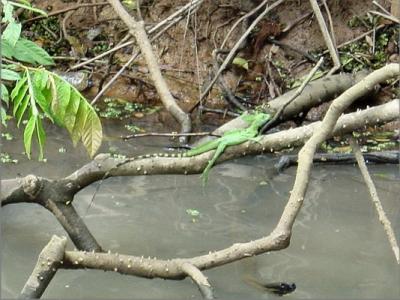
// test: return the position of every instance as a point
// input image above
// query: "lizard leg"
(220, 149)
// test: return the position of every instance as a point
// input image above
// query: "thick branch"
(315, 93)
(56, 196)
(46, 267)
(73, 225)
(150, 165)
(321, 133)
(384, 157)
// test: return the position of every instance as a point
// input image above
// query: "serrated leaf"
(9, 75)
(28, 132)
(4, 95)
(6, 49)
(28, 51)
(41, 137)
(21, 109)
(81, 115)
(72, 110)
(92, 134)
(12, 33)
(18, 98)
(241, 62)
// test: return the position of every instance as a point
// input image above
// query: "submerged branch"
(375, 199)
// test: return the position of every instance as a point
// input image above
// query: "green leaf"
(18, 99)
(61, 100)
(28, 51)
(28, 132)
(21, 109)
(9, 75)
(72, 110)
(81, 115)
(41, 137)
(241, 62)
(18, 86)
(39, 80)
(12, 33)
(8, 11)
(92, 134)
(6, 49)
(32, 97)
(4, 95)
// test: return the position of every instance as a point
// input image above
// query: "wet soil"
(185, 50)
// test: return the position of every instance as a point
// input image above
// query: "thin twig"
(233, 51)
(294, 96)
(327, 37)
(332, 32)
(134, 56)
(174, 134)
(172, 19)
(248, 15)
(358, 37)
(297, 50)
(375, 199)
(389, 17)
(224, 112)
(64, 10)
(104, 89)
(381, 7)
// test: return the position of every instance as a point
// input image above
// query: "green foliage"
(26, 51)
(6, 74)
(13, 46)
(40, 93)
(121, 109)
(241, 62)
(6, 158)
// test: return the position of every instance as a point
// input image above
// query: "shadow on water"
(338, 248)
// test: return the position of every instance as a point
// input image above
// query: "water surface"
(338, 247)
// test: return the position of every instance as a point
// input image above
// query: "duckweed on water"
(114, 108)
(7, 136)
(6, 158)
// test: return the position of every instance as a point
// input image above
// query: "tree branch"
(375, 199)
(46, 267)
(137, 30)
(321, 133)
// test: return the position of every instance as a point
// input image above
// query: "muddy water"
(338, 248)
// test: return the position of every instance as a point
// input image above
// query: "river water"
(338, 247)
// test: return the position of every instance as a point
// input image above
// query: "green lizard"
(230, 138)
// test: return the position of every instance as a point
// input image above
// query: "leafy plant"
(42, 93)
(39, 93)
